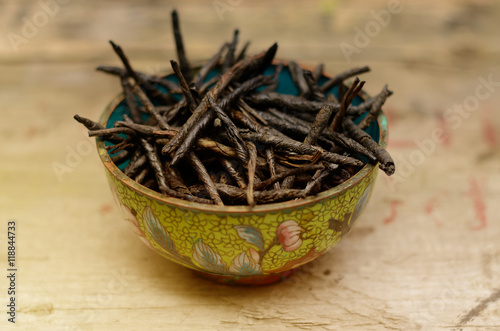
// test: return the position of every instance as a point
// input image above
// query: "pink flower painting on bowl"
(289, 235)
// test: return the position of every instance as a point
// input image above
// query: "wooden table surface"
(424, 255)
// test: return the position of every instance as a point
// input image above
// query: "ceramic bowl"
(240, 244)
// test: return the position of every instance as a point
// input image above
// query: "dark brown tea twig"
(243, 52)
(375, 109)
(271, 87)
(338, 79)
(386, 162)
(298, 78)
(94, 126)
(174, 181)
(292, 172)
(271, 161)
(120, 157)
(113, 149)
(155, 163)
(232, 132)
(202, 173)
(147, 79)
(319, 125)
(111, 132)
(314, 185)
(207, 67)
(353, 90)
(229, 58)
(318, 71)
(150, 108)
(132, 105)
(238, 195)
(191, 102)
(252, 164)
(314, 90)
(119, 51)
(141, 176)
(181, 53)
(299, 105)
(299, 126)
(135, 165)
(287, 144)
(233, 173)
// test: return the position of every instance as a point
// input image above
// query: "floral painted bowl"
(241, 244)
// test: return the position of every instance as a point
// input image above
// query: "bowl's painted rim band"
(264, 208)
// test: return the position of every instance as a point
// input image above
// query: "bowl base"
(257, 280)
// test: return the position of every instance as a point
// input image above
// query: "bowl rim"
(234, 209)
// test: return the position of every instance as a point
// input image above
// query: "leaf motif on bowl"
(158, 233)
(251, 235)
(254, 254)
(340, 225)
(360, 206)
(245, 266)
(115, 195)
(205, 256)
(129, 215)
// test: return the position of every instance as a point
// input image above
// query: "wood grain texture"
(424, 255)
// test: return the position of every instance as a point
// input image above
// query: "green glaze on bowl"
(240, 244)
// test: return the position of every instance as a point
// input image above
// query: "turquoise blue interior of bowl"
(285, 86)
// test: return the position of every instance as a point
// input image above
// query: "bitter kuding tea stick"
(252, 165)
(205, 178)
(147, 79)
(298, 78)
(314, 90)
(184, 86)
(271, 161)
(338, 79)
(232, 132)
(135, 165)
(353, 90)
(233, 173)
(119, 51)
(94, 126)
(150, 108)
(243, 52)
(318, 71)
(181, 54)
(132, 105)
(291, 172)
(288, 144)
(120, 157)
(229, 59)
(375, 109)
(319, 125)
(386, 162)
(207, 67)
